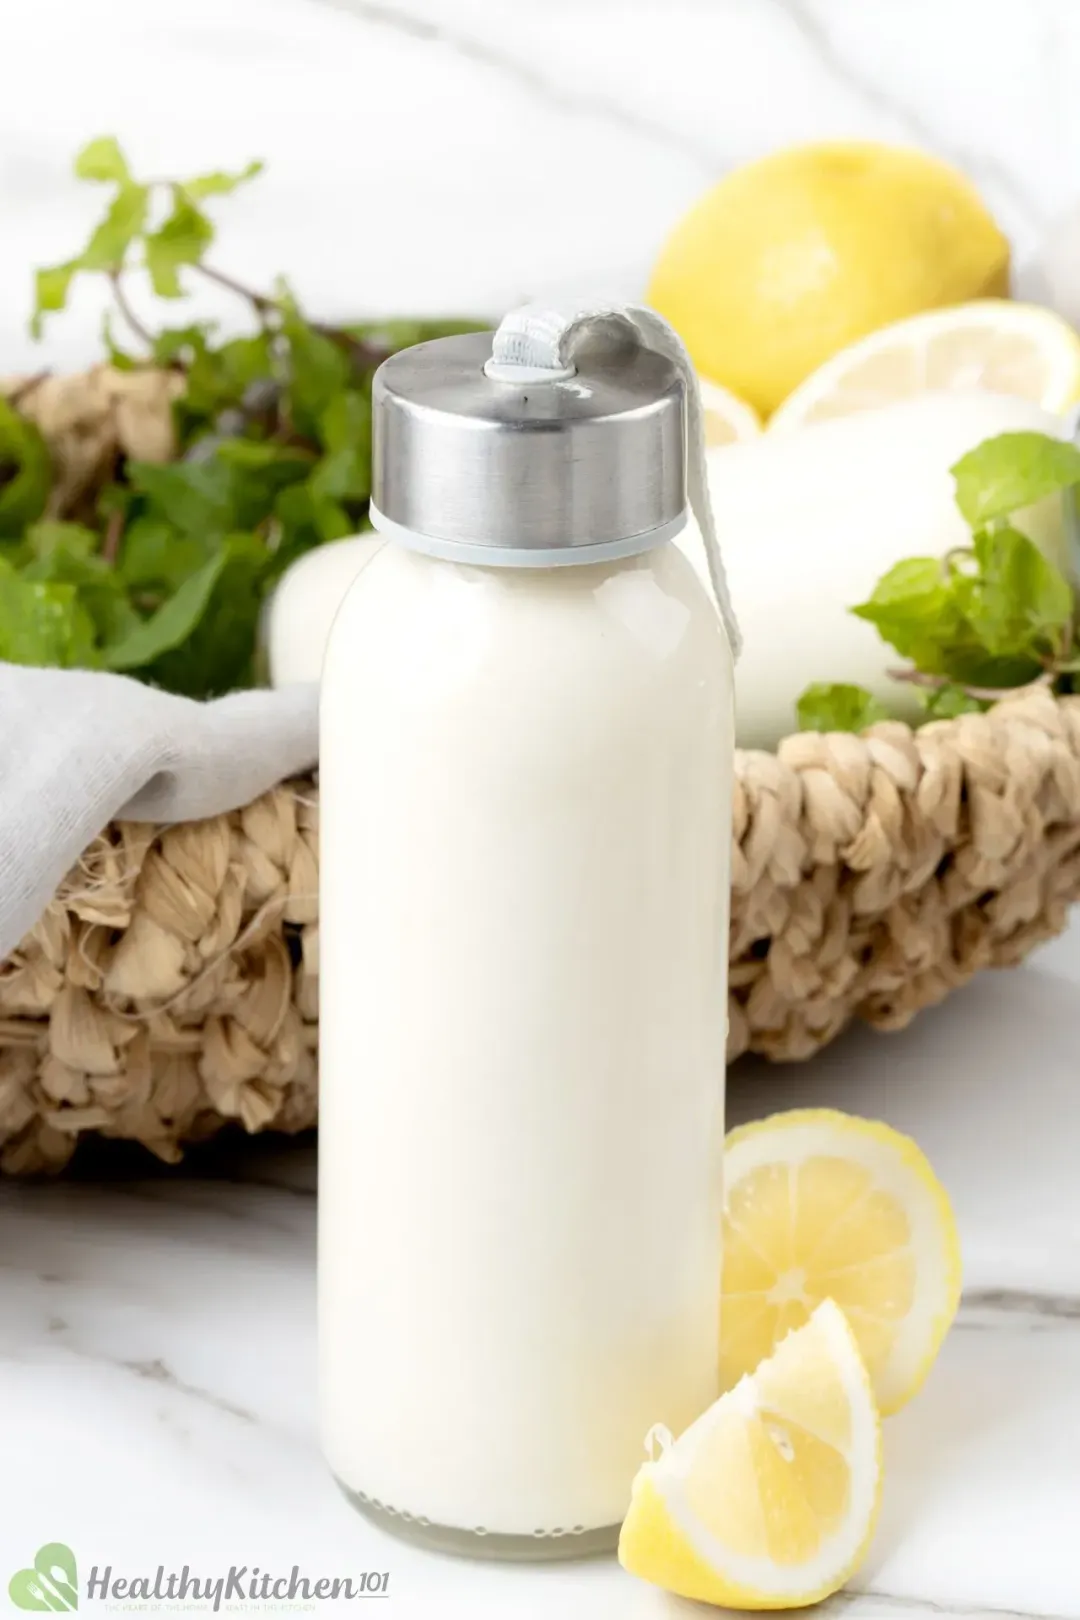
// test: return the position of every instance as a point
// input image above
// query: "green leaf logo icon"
(52, 1586)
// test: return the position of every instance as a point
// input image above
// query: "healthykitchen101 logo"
(51, 1586)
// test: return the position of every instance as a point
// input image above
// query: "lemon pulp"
(822, 1205)
(769, 1500)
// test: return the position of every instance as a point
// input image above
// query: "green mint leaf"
(921, 611)
(218, 379)
(948, 702)
(182, 239)
(162, 269)
(345, 424)
(317, 370)
(913, 609)
(910, 583)
(220, 183)
(217, 655)
(102, 160)
(51, 539)
(344, 473)
(971, 665)
(308, 519)
(295, 513)
(1019, 605)
(173, 622)
(280, 463)
(231, 490)
(156, 557)
(332, 520)
(991, 620)
(43, 624)
(124, 221)
(838, 707)
(25, 472)
(183, 343)
(245, 360)
(195, 497)
(51, 288)
(67, 554)
(343, 476)
(185, 234)
(1011, 471)
(110, 611)
(258, 471)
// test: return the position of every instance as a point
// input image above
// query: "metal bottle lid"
(543, 462)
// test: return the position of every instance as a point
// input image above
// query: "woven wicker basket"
(171, 987)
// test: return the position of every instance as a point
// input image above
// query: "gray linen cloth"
(79, 749)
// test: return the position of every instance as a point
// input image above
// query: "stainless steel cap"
(595, 459)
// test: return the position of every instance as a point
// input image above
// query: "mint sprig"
(988, 618)
(838, 707)
(160, 570)
(1004, 474)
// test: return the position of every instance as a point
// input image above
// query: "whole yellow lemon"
(789, 259)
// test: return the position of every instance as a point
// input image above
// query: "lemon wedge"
(822, 1205)
(728, 419)
(769, 1499)
(991, 346)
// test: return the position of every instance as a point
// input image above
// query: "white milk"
(526, 783)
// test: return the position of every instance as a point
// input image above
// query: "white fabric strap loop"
(542, 339)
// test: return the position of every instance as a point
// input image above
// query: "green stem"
(114, 529)
(141, 332)
(982, 694)
(366, 355)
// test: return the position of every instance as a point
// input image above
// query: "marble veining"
(985, 1308)
(826, 41)
(831, 43)
(439, 155)
(890, 1604)
(434, 26)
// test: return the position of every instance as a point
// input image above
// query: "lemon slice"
(991, 346)
(769, 1499)
(728, 419)
(821, 1205)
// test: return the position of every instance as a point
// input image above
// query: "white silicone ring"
(521, 556)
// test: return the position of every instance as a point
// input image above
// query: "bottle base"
(540, 1547)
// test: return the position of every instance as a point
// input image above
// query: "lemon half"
(991, 346)
(822, 1205)
(769, 1499)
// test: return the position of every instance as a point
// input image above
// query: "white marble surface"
(441, 154)
(157, 1351)
(156, 1335)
